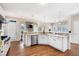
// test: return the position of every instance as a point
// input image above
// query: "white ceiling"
(49, 12)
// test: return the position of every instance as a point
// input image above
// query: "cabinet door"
(42, 39)
(65, 44)
(46, 38)
(56, 42)
(51, 41)
(27, 40)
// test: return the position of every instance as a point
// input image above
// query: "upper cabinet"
(35, 28)
(59, 27)
(31, 27)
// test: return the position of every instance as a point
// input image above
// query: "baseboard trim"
(74, 43)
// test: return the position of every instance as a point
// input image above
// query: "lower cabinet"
(56, 42)
(43, 39)
(27, 40)
(59, 43)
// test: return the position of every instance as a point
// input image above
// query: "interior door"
(75, 31)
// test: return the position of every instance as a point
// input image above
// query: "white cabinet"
(43, 39)
(27, 40)
(58, 42)
(65, 43)
(35, 28)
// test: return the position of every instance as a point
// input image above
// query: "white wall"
(75, 29)
(2, 12)
(47, 27)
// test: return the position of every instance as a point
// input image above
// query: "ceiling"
(51, 12)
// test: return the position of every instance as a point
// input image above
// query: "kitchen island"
(60, 42)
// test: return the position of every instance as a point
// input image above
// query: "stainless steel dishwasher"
(34, 39)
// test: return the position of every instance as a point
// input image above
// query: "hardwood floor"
(41, 50)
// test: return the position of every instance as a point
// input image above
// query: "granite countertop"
(47, 33)
(65, 34)
(28, 33)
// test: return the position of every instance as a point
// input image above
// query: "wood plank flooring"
(41, 50)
